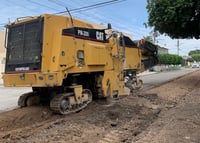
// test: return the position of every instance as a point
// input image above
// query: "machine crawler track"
(57, 107)
(28, 99)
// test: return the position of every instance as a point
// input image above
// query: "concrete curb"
(146, 73)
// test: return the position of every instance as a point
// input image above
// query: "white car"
(195, 65)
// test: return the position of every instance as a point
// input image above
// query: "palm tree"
(148, 38)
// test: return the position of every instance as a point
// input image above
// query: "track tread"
(55, 104)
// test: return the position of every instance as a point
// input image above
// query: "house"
(162, 50)
(2, 51)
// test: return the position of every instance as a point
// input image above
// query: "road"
(9, 96)
(158, 78)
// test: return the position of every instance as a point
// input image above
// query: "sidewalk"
(1, 80)
(146, 73)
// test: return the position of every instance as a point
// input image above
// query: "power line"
(42, 5)
(111, 2)
(58, 3)
(92, 6)
(93, 17)
(55, 2)
(118, 24)
(19, 4)
(75, 10)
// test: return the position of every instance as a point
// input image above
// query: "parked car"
(195, 65)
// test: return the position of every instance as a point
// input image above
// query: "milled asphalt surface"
(9, 95)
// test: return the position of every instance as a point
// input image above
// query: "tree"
(170, 59)
(176, 18)
(196, 57)
(190, 59)
(194, 52)
(148, 38)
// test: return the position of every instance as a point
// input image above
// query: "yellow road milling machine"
(132, 64)
(65, 61)
(140, 55)
(149, 52)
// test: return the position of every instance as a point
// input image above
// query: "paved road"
(158, 78)
(9, 96)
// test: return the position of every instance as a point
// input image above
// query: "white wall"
(2, 51)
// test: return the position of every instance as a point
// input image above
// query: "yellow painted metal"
(33, 79)
(112, 83)
(59, 57)
(133, 59)
(95, 53)
(77, 92)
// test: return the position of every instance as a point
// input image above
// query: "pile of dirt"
(130, 119)
(116, 121)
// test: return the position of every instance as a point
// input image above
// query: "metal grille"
(24, 46)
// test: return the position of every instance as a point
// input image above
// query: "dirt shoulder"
(167, 113)
(179, 123)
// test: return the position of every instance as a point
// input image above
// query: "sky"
(126, 16)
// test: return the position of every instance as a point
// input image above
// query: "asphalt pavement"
(151, 79)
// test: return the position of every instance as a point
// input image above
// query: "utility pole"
(155, 34)
(178, 44)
